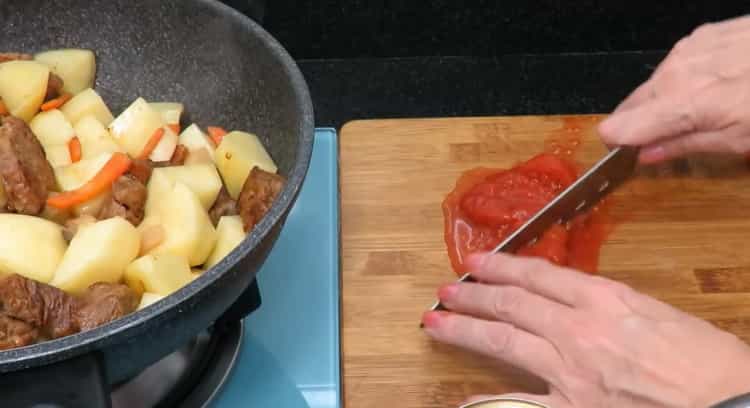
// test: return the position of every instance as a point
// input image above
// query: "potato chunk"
(87, 102)
(237, 154)
(199, 156)
(76, 67)
(135, 126)
(230, 234)
(148, 299)
(188, 229)
(201, 179)
(54, 132)
(194, 139)
(58, 155)
(99, 252)
(160, 274)
(94, 138)
(74, 175)
(52, 128)
(165, 148)
(169, 111)
(31, 246)
(23, 85)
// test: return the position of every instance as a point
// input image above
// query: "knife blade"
(589, 189)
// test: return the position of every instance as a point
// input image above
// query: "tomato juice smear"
(487, 205)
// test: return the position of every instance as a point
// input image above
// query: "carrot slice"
(117, 165)
(74, 147)
(216, 133)
(175, 127)
(56, 103)
(151, 144)
(3, 108)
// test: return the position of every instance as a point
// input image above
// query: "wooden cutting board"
(683, 239)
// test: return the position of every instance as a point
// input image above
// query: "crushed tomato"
(487, 205)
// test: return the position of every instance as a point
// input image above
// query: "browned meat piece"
(129, 191)
(103, 303)
(30, 310)
(258, 193)
(15, 333)
(179, 156)
(224, 205)
(158, 164)
(141, 169)
(3, 198)
(128, 200)
(39, 305)
(54, 87)
(56, 215)
(26, 174)
(12, 56)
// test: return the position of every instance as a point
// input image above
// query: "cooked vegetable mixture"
(103, 215)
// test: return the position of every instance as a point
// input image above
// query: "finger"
(548, 401)
(536, 275)
(498, 340)
(509, 304)
(660, 119)
(729, 140)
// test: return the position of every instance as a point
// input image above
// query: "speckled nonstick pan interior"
(227, 71)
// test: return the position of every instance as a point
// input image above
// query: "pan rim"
(135, 323)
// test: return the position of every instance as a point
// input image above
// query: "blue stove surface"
(290, 351)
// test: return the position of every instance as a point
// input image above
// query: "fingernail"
(652, 154)
(448, 291)
(431, 319)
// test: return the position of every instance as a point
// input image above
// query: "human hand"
(697, 100)
(596, 342)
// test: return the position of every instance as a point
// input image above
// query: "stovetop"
(289, 355)
(286, 353)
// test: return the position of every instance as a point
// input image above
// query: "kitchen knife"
(601, 179)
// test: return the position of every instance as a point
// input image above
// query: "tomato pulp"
(487, 205)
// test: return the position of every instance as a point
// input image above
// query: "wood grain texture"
(682, 239)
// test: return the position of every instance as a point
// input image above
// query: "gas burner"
(190, 377)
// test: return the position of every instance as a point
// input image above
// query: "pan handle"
(79, 382)
(247, 303)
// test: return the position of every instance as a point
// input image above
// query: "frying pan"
(227, 71)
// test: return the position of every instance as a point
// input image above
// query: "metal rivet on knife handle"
(604, 186)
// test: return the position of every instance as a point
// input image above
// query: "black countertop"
(484, 28)
(427, 58)
(346, 89)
